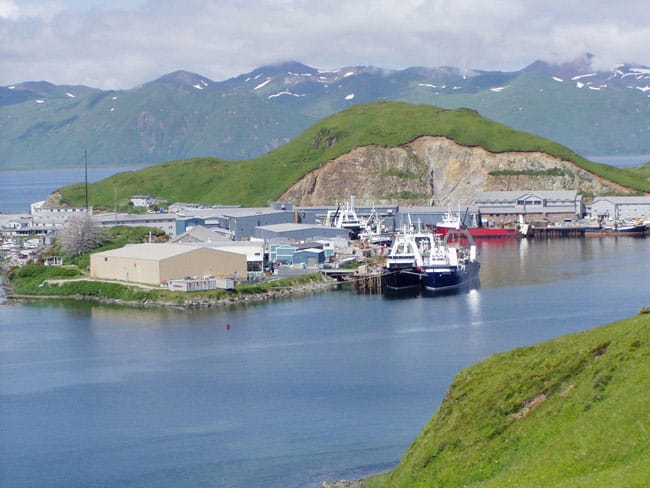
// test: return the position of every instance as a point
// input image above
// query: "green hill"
(569, 412)
(254, 182)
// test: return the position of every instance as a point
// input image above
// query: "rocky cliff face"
(437, 171)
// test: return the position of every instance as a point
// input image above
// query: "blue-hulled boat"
(428, 262)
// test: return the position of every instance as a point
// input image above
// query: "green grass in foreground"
(565, 413)
(255, 182)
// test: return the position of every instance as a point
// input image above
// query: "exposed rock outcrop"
(438, 171)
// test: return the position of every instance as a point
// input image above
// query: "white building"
(623, 208)
(163, 221)
(506, 206)
(55, 217)
(144, 200)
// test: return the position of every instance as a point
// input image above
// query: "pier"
(554, 232)
(365, 281)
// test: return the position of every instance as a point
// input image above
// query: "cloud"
(120, 43)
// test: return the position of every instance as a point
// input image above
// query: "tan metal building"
(154, 264)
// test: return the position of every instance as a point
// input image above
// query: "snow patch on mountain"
(263, 84)
(579, 77)
(297, 95)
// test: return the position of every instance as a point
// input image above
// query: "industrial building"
(623, 208)
(502, 207)
(298, 232)
(163, 221)
(155, 264)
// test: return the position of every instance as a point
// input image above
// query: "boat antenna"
(86, 176)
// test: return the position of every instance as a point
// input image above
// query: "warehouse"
(155, 264)
(623, 208)
(502, 207)
(298, 232)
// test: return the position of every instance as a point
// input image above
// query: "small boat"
(428, 262)
(450, 221)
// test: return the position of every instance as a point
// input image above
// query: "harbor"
(164, 397)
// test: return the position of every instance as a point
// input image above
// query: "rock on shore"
(343, 484)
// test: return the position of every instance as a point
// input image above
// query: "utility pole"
(86, 176)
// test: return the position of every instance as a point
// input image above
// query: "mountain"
(381, 152)
(568, 412)
(182, 114)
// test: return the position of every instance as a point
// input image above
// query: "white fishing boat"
(420, 261)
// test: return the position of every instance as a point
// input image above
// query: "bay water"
(327, 386)
(20, 188)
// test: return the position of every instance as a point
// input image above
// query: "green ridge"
(569, 412)
(255, 182)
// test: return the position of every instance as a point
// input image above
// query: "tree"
(79, 235)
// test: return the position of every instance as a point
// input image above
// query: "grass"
(64, 282)
(71, 280)
(529, 172)
(255, 182)
(568, 412)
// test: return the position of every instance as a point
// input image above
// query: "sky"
(120, 44)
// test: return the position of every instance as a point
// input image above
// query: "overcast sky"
(116, 44)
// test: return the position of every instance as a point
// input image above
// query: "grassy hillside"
(642, 171)
(254, 182)
(569, 412)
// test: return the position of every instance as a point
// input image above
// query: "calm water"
(327, 386)
(20, 188)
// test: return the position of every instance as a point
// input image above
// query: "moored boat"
(634, 229)
(426, 262)
(454, 222)
(453, 263)
(403, 268)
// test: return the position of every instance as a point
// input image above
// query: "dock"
(555, 232)
(364, 280)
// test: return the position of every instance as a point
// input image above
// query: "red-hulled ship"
(454, 222)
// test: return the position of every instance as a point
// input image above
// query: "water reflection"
(474, 307)
(105, 395)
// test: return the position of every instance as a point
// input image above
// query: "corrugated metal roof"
(254, 251)
(513, 195)
(200, 234)
(123, 217)
(251, 212)
(148, 251)
(624, 200)
(292, 227)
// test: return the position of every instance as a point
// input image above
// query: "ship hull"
(406, 281)
(632, 230)
(449, 279)
(485, 232)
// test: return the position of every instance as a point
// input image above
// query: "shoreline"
(197, 302)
